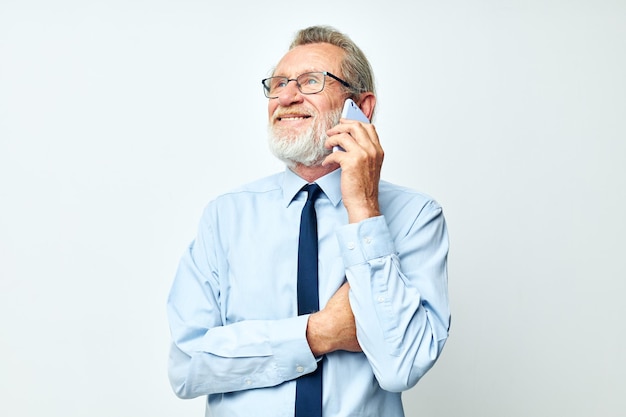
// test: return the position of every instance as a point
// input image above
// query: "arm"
(398, 281)
(209, 357)
(398, 294)
(395, 307)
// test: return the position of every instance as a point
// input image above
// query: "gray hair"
(355, 67)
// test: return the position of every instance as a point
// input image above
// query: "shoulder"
(251, 194)
(410, 213)
(264, 185)
(397, 197)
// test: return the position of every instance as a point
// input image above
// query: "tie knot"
(313, 191)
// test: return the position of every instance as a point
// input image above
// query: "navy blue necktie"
(308, 387)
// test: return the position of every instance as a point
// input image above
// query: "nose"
(290, 94)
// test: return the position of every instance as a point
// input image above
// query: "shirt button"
(351, 245)
(299, 369)
(381, 299)
(368, 240)
(248, 381)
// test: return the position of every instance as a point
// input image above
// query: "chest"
(259, 260)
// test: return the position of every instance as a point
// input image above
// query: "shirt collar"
(329, 183)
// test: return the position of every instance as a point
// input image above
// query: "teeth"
(293, 118)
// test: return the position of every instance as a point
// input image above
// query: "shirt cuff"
(294, 356)
(364, 241)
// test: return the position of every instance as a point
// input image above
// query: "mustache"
(290, 111)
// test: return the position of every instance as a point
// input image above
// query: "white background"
(120, 120)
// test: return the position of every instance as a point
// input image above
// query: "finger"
(344, 140)
(343, 126)
(363, 133)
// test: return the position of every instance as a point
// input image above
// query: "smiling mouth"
(292, 118)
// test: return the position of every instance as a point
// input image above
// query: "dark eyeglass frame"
(266, 88)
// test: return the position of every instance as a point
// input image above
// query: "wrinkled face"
(298, 122)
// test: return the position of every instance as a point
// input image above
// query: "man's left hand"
(360, 166)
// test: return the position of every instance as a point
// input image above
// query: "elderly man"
(320, 290)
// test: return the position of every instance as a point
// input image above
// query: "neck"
(312, 173)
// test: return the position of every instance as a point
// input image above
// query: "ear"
(367, 103)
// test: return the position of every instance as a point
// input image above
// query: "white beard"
(306, 148)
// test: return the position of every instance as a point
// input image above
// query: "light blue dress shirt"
(236, 333)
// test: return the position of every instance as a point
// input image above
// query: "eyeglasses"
(308, 83)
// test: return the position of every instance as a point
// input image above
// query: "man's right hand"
(333, 328)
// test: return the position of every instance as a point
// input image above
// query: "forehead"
(311, 57)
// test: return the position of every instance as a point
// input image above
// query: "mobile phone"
(353, 112)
